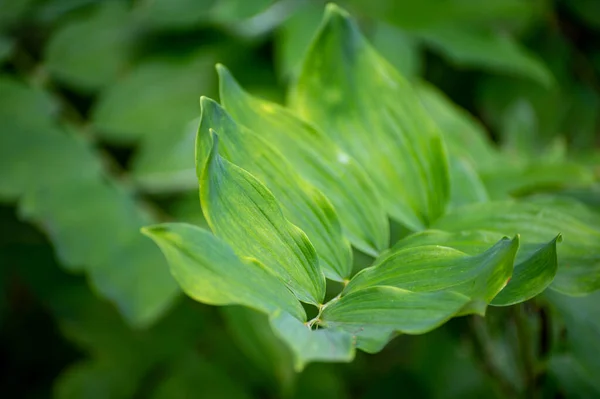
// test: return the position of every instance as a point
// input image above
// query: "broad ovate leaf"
(209, 271)
(389, 308)
(302, 204)
(318, 159)
(324, 345)
(579, 254)
(433, 268)
(245, 214)
(372, 112)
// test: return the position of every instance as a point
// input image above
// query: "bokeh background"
(99, 103)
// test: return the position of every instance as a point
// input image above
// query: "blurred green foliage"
(98, 108)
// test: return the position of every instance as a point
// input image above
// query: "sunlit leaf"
(433, 268)
(317, 159)
(325, 345)
(246, 215)
(208, 270)
(302, 204)
(578, 256)
(384, 308)
(466, 186)
(373, 113)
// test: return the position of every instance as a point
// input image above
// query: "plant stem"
(485, 355)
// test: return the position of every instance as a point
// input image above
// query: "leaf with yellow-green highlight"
(210, 272)
(359, 100)
(302, 204)
(245, 214)
(433, 268)
(578, 255)
(534, 269)
(316, 158)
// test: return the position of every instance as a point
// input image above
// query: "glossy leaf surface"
(302, 204)
(318, 159)
(246, 215)
(434, 268)
(209, 271)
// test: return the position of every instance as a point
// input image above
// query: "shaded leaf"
(325, 345)
(488, 49)
(302, 204)
(317, 159)
(245, 214)
(373, 113)
(208, 270)
(158, 98)
(90, 52)
(193, 376)
(579, 263)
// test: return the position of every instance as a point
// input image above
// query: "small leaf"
(578, 256)
(434, 268)
(209, 271)
(245, 214)
(325, 345)
(385, 308)
(531, 276)
(318, 159)
(302, 204)
(372, 112)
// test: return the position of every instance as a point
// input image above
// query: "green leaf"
(399, 48)
(209, 271)
(466, 186)
(525, 178)
(6, 48)
(488, 49)
(325, 345)
(463, 134)
(193, 376)
(377, 308)
(531, 276)
(318, 159)
(90, 52)
(94, 227)
(158, 98)
(535, 264)
(246, 215)
(372, 112)
(174, 14)
(302, 204)
(432, 268)
(578, 256)
(252, 333)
